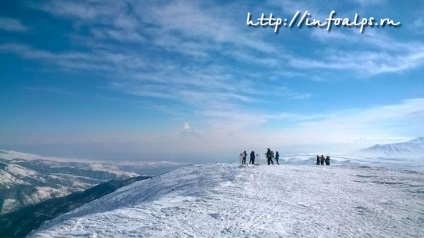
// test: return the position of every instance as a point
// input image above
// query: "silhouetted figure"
(317, 159)
(243, 160)
(327, 160)
(322, 159)
(269, 155)
(277, 156)
(252, 157)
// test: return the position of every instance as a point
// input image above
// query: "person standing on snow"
(252, 157)
(327, 160)
(317, 159)
(243, 161)
(269, 155)
(322, 159)
(277, 156)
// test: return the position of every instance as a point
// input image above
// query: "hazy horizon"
(91, 153)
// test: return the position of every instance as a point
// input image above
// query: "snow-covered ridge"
(29, 179)
(412, 147)
(227, 200)
(15, 155)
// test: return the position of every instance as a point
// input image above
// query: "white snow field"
(402, 161)
(228, 200)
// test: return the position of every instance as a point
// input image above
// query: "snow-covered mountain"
(409, 148)
(227, 200)
(19, 223)
(29, 179)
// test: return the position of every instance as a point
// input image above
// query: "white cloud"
(119, 35)
(95, 60)
(236, 127)
(365, 3)
(417, 25)
(71, 9)
(187, 130)
(381, 54)
(324, 36)
(301, 96)
(14, 25)
(365, 63)
(388, 121)
(194, 30)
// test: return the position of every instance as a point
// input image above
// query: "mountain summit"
(227, 200)
(412, 147)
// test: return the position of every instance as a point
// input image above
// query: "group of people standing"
(321, 160)
(269, 155)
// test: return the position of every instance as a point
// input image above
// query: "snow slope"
(409, 148)
(27, 179)
(227, 200)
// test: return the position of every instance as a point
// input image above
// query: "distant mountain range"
(30, 179)
(19, 223)
(412, 147)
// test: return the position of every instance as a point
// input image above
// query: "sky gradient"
(189, 80)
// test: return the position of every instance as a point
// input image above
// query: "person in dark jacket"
(243, 161)
(327, 160)
(269, 155)
(252, 157)
(322, 159)
(277, 156)
(317, 159)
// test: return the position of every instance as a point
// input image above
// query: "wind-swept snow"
(223, 200)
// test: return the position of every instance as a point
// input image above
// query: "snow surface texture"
(227, 200)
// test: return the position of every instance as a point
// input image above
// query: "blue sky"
(189, 80)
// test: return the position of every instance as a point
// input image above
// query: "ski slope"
(228, 200)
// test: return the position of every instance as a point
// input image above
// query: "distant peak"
(413, 146)
(418, 140)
